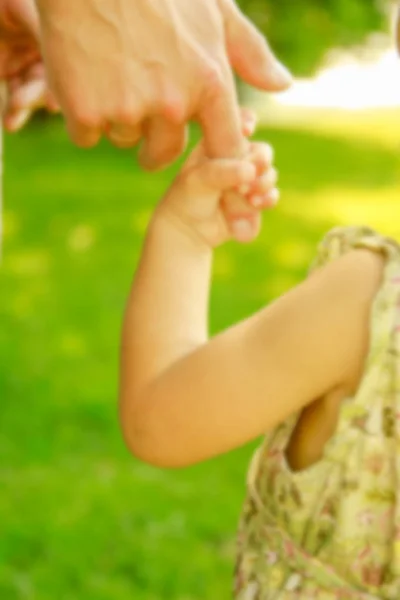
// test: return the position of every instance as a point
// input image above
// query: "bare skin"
(136, 70)
(186, 398)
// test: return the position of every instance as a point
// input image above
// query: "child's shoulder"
(351, 268)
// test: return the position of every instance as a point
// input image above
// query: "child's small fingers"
(243, 220)
(249, 121)
(262, 156)
(248, 115)
(269, 180)
(235, 205)
(274, 197)
(246, 230)
(248, 129)
(264, 183)
(261, 184)
(224, 174)
(198, 156)
(266, 200)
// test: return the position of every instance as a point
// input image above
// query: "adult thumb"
(249, 52)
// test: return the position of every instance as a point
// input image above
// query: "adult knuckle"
(126, 113)
(174, 109)
(85, 117)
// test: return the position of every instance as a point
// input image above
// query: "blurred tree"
(301, 31)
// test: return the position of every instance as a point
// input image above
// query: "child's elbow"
(149, 450)
(145, 441)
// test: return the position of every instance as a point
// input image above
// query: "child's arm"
(184, 399)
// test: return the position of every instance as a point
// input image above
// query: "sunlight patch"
(373, 125)
(72, 345)
(397, 551)
(33, 262)
(10, 225)
(106, 473)
(81, 238)
(379, 209)
(22, 305)
(293, 253)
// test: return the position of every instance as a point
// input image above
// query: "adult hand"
(21, 65)
(134, 69)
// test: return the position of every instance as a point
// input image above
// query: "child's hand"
(222, 199)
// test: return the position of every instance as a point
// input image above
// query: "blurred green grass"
(79, 518)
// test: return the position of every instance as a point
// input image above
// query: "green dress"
(332, 531)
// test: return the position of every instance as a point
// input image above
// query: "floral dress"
(332, 531)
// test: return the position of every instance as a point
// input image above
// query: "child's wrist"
(169, 224)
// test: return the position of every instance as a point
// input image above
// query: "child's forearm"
(167, 314)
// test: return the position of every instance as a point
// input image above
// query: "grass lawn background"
(79, 518)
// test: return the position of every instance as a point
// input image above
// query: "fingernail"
(274, 197)
(242, 229)
(257, 201)
(250, 124)
(282, 75)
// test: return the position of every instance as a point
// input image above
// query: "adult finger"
(222, 174)
(249, 121)
(243, 220)
(51, 103)
(249, 124)
(164, 142)
(124, 136)
(124, 127)
(262, 156)
(219, 114)
(249, 52)
(84, 129)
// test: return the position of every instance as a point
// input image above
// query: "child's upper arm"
(253, 376)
